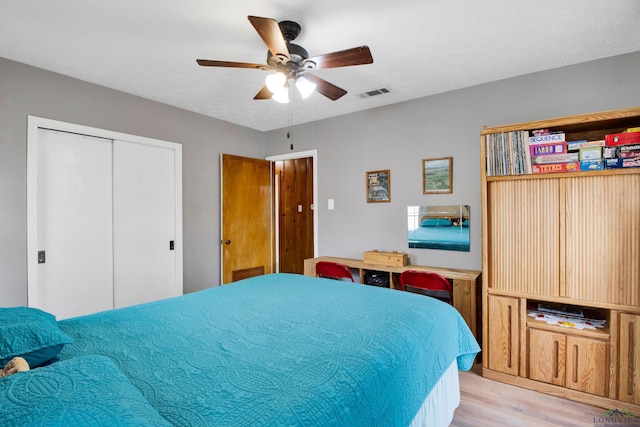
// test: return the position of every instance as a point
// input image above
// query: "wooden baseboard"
(563, 392)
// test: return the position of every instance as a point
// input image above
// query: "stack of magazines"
(566, 316)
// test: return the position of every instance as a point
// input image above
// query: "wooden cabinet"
(629, 386)
(571, 239)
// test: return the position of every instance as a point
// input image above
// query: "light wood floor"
(486, 402)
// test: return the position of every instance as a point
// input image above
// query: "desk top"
(450, 273)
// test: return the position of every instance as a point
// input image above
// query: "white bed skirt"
(437, 409)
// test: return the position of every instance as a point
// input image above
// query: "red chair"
(333, 270)
(427, 283)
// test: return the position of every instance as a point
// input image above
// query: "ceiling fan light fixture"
(276, 82)
(281, 95)
(305, 86)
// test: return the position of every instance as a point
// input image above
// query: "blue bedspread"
(281, 349)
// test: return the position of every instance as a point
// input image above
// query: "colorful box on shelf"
(624, 138)
(556, 167)
(576, 145)
(622, 163)
(589, 153)
(389, 259)
(546, 149)
(591, 164)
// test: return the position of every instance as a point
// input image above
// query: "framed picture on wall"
(378, 186)
(437, 175)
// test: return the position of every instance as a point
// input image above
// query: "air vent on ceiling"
(374, 92)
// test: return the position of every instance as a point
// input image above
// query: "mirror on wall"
(439, 227)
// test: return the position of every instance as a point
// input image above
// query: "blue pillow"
(81, 391)
(435, 222)
(30, 333)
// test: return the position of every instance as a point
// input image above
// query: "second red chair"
(427, 283)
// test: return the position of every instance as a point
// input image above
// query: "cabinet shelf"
(602, 333)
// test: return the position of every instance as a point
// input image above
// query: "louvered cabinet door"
(603, 239)
(629, 383)
(523, 228)
(503, 334)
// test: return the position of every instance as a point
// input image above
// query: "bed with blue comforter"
(280, 349)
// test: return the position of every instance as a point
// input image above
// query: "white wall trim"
(303, 155)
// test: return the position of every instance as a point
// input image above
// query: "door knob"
(226, 242)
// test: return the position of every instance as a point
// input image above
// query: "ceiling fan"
(291, 62)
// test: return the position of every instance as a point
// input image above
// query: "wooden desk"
(466, 284)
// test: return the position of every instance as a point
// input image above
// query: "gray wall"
(398, 137)
(26, 90)
(395, 137)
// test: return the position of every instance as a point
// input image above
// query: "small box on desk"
(390, 259)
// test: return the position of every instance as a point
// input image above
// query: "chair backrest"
(426, 283)
(333, 270)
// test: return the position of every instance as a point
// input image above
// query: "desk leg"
(464, 300)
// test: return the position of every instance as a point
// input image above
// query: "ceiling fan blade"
(325, 88)
(211, 63)
(344, 58)
(264, 93)
(271, 35)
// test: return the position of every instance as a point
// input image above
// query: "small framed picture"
(437, 175)
(378, 186)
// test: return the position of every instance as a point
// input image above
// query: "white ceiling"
(420, 47)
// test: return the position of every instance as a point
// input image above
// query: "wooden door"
(546, 356)
(629, 383)
(503, 334)
(74, 273)
(587, 365)
(295, 213)
(246, 235)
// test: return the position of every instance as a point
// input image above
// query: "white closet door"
(144, 217)
(74, 226)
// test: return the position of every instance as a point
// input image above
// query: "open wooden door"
(247, 232)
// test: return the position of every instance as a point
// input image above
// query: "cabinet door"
(602, 250)
(587, 365)
(546, 356)
(523, 231)
(629, 358)
(503, 338)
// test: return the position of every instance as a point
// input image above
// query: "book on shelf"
(507, 153)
